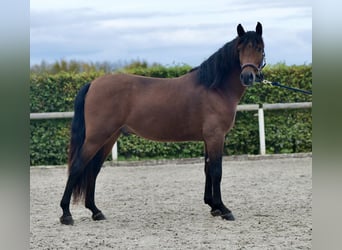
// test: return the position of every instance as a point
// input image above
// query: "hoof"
(67, 220)
(228, 216)
(98, 216)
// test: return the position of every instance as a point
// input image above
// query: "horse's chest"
(229, 119)
(226, 115)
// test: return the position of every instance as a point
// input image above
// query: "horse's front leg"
(208, 190)
(218, 208)
(213, 167)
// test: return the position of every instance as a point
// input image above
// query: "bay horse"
(198, 106)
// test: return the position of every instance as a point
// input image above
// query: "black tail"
(76, 142)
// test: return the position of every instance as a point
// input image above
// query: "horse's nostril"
(251, 77)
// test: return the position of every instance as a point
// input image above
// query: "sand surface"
(161, 207)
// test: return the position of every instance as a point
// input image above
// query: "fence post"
(261, 131)
(115, 151)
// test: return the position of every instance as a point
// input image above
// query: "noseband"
(258, 69)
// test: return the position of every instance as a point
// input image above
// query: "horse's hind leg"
(66, 218)
(95, 168)
(82, 174)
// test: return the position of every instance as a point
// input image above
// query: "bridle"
(258, 69)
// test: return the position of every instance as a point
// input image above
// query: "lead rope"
(260, 78)
(277, 84)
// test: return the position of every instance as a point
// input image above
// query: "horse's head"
(251, 54)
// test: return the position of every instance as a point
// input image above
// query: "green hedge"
(287, 131)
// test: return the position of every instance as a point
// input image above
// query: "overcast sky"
(167, 32)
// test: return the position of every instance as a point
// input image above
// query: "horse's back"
(143, 89)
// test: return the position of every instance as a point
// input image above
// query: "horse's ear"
(240, 30)
(258, 29)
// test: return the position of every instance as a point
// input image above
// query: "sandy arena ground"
(161, 207)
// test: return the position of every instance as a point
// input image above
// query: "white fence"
(244, 107)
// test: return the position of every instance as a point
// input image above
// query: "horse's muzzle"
(247, 78)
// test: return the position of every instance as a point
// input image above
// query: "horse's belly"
(165, 132)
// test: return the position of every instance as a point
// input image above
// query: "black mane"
(213, 71)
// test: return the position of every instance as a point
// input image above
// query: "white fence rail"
(244, 107)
